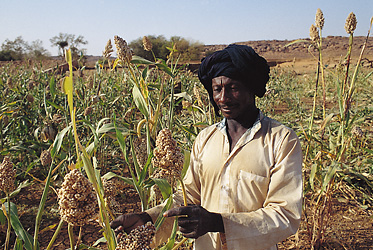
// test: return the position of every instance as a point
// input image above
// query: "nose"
(224, 95)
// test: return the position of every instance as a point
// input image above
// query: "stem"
(314, 100)
(55, 235)
(71, 235)
(184, 192)
(322, 78)
(79, 238)
(179, 244)
(172, 104)
(353, 81)
(348, 63)
(9, 225)
(41, 207)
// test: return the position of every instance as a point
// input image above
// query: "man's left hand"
(195, 221)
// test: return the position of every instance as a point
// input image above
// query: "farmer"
(244, 182)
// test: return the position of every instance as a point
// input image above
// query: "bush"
(187, 50)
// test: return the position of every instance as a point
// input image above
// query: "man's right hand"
(128, 222)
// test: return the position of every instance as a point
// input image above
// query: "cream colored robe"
(257, 188)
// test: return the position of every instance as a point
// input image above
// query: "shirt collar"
(249, 134)
(223, 123)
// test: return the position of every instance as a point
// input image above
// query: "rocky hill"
(334, 46)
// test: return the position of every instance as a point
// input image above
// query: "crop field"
(80, 146)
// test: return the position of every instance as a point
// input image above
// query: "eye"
(216, 89)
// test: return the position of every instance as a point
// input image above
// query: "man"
(244, 178)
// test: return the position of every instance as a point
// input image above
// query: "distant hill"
(333, 46)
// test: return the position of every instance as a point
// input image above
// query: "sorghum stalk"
(41, 206)
(172, 104)
(8, 221)
(350, 27)
(71, 235)
(351, 38)
(54, 237)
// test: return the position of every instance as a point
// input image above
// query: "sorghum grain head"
(351, 23)
(45, 158)
(108, 50)
(123, 51)
(57, 118)
(7, 175)
(197, 94)
(319, 19)
(314, 34)
(77, 199)
(88, 110)
(357, 131)
(140, 151)
(89, 82)
(167, 155)
(30, 98)
(9, 82)
(4, 120)
(186, 104)
(148, 46)
(138, 238)
(48, 133)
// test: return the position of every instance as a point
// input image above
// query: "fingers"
(126, 222)
(188, 227)
(179, 211)
(117, 222)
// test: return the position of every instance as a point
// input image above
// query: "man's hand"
(195, 221)
(127, 222)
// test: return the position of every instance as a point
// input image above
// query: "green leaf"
(55, 105)
(101, 240)
(329, 175)
(160, 218)
(164, 186)
(140, 60)
(18, 244)
(110, 175)
(109, 127)
(171, 241)
(163, 66)
(2, 217)
(18, 228)
(145, 73)
(58, 141)
(190, 131)
(140, 101)
(297, 41)
(312, 176)
(52, 87)
(17, 190)
(368, 150)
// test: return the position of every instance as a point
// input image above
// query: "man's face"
(233, 98)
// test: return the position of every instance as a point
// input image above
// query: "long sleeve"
(281, 212)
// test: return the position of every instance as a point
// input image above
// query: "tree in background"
(186, 49)
(63, 40)
(19, 49)
(159, 43)
(36, 50)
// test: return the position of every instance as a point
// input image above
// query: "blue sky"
(206, 21)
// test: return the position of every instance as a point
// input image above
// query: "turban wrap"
(238, 62)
